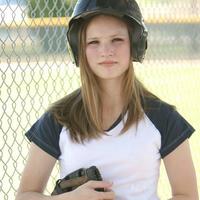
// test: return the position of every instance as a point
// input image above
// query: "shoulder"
(159, 113)
(48, 120)
(45, 133)
(172, 126)
(157, 108)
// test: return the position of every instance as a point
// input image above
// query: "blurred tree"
(49, 8)
(52, 39)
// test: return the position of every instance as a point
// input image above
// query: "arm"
(181, 173)
(35, 175)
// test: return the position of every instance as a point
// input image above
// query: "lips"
(108, 62)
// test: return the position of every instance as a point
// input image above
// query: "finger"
(106, 195)
(108, 190)
(99, 184)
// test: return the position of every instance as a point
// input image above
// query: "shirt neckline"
(117, 121)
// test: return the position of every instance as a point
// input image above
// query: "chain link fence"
(36, 70)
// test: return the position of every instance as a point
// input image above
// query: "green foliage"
(49, 8)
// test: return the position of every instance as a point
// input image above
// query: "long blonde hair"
(81, 111)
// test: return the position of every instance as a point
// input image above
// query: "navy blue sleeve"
(176, 130)
(45, 133)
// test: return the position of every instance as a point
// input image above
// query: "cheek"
(90, 54)
(124, 52)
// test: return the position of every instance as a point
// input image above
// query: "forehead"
(105, 24)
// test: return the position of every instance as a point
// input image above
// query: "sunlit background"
(36, 69)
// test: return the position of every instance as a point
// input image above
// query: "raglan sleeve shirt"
(174, 129)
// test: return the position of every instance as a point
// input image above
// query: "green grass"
(28, 88)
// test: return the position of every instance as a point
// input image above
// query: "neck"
(112, 101)
(111, 93)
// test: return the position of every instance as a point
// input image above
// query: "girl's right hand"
(87, 191)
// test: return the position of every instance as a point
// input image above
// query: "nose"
(106, 50)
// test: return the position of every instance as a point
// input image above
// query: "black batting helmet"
(126, 9)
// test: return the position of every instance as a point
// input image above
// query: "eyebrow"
(112, 36)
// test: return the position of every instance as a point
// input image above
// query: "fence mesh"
(36, 70)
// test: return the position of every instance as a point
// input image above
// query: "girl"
(112, 121)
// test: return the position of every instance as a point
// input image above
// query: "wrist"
(64, 196)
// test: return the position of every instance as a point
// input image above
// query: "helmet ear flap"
(140, 47)
(138, 36)
(73, 37)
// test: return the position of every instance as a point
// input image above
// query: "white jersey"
(131, 160)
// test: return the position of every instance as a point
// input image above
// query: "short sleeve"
(45, 133)
(175, 131)
(173, 128)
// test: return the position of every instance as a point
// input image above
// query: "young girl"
(112, 121)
